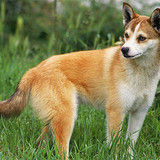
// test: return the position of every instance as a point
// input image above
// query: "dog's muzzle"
(125, 51)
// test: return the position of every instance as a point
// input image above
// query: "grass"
(88, 141)
(18, 135)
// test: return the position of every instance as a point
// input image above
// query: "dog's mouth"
(132, 57)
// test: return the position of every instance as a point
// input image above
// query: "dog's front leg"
(136, 119)
(115, 116)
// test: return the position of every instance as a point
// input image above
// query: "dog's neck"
(144, 65)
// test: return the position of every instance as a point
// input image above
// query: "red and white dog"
(121, 79)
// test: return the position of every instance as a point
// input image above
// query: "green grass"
(18, 135)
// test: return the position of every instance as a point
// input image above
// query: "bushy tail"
(17, 102)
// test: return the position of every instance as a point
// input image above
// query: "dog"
(121, 80)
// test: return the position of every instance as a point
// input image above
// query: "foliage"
(75, 25)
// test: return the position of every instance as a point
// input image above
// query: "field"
(88, 142)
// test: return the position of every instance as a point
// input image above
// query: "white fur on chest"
(137, 93)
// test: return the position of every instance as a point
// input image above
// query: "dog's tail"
(17, 102)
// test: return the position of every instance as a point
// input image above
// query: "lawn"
(18, 135)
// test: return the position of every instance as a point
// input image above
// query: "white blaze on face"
(132, 42)
(137, 49)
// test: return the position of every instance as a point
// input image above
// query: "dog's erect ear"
(154, 20)
(128, 14)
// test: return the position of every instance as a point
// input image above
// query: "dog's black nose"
(125, 51)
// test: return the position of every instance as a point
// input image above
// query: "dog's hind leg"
(63, 119)
(42, 137)
(62, 126)
(56, 103)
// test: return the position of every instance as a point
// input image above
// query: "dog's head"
(141, 34)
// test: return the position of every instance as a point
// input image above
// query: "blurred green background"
(61, 26)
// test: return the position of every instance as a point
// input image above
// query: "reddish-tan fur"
(53, 84)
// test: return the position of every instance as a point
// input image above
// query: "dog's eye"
(126, 35)
(141, 38)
